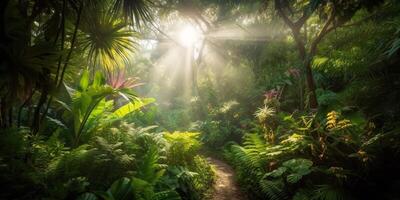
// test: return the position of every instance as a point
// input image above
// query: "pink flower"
(117, 79)
(271, 94)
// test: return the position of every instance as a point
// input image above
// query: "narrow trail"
(225, 187)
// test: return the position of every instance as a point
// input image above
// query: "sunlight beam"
(189, 36)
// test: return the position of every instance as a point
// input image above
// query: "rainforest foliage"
(125, 99)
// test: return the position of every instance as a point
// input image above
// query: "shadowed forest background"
(159, 99)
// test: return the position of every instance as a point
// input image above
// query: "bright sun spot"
(189, 36)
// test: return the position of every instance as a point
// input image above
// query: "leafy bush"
(101, 163)
(194, 173)
(127, 189)
(316, 160)
(214, 133)
(222, 124)
(182, 147)
(205, 177)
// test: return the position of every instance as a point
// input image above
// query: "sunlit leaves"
(89, 103)
(264, 113)
(108, 40)
(132, 106)
(137, 11)
(334, 123)
(84, 82)
(319, 61)
(183, 146)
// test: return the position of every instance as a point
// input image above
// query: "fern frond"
(274, 189)
(329, 192)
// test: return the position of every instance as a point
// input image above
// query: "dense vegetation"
(123, 99)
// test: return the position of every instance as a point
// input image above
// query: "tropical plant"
(106, 37)
(336, 15)
(314, 161)
(133, 188)
(88, 104)
(39, 43)
(182, 147)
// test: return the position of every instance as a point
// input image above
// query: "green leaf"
(87, 196)
(169, 194)
(84, 82)
(98, 79)
(297, 168)
(330, 192)
(294, 178)
(57, 122)
(132, 106)
(122, 189)
(277, 172)
(143, 188)
(298, 165)
(85, 101)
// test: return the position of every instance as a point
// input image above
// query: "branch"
(325, 30)
(282, 14)
(300, 22)
(295, 28)
(73, 40)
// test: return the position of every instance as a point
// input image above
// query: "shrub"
(182, 147)
(314, 160)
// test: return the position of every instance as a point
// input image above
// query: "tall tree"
(332, 14)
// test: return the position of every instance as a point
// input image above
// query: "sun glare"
(189, 36)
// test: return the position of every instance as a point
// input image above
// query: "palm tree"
(37, 57)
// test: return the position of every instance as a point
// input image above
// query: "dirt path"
(225, 187)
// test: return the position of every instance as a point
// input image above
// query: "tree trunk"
(306, 59)
(36, 116)
(312, 96)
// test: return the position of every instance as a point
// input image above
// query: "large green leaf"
(122, 189)
(98, 79)
(277, 172)
(294, 178)
(298, 165)
(299, 168)
(132, 106)
(84, 82)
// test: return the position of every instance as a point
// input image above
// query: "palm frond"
(107, 39)
(136, 11)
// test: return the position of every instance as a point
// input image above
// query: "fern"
(303, 194)
(274, 190)
(255, 149)
(148, 167)
(328, 192)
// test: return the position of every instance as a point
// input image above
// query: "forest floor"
(225, 187)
